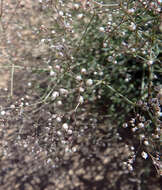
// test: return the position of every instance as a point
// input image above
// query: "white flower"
(95, 73)
(132, 26)
(89, 82)
(52, 73)
(130, 11)
(59, 133)
(81, 99)
(150, 62)
(69, 131)
(58, 119)
(67, 149)
(61, 13)
(55, 94)
(101, 73)
(12, 106)
(83, 71)
(26, 103)
(125, 125)
(63, 91)
(29, 84)
(63, 142)
(142, 136)
(3, 112)
(141, 125)
(59, 103)
(134, 129)
(65, 126)
(146, 143)
(101, 29)
(79, 78)
(130, 167)
(74, 149)
(76, 5)
(50, 67)
(57, 67)
(80, 16)
(81, 89)
(144, 155)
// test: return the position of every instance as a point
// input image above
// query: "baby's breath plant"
(107, 54)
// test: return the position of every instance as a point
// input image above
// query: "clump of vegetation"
(108, 55)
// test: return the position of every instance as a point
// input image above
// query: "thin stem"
(12, 79)
(150, 77)
(122, 96)
(105, 5)
(85, 31)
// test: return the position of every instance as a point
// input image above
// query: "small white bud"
(102, 29)
(144, 155)
(81, 89)
(80, 16)
(131, 11)
(59, 133)
(130, 167)
(63, 91)
(67, 149)
(63, 142)
(150, 62)
(3, 112)
(95, 73)
(12, 106)
(50, 67)
(29, 84)
(59, 103)
(58, 119)
(104, 45)
(146, 143)
(61, 13)
(134, 129)
(78, 78)
(83, 71)
(74, 149)
(69, 131)
(142, 136)
(125, 125)
(132, 26)
(57, 67)
(65, 126)
(89, 82)
(141, 125)
(52, 73)
(49, 160)
(55, 94)
(26, 103)
(81, 99)
(76, 6)
(101, 73)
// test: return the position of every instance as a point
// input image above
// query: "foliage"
(108, 55)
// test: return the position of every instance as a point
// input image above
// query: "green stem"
(85, 31)
(122, 96)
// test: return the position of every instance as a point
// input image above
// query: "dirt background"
(31, 155)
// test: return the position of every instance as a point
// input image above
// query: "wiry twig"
(105, 5)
